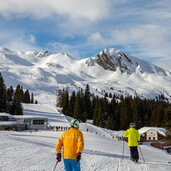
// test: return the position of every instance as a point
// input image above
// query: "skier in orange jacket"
(72, 142)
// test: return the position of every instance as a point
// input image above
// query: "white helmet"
(132, 125)
(74, 123)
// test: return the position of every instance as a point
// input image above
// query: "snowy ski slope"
(35, 151)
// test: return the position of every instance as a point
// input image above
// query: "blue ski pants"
(71, 165)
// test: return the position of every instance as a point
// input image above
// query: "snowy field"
(35, 151)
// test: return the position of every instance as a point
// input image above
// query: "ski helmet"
(74, 123)
(132, 125)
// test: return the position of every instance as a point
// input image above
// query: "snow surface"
(35, 151)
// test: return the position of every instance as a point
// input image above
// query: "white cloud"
(148, 41)
(91, 10)
(143, 36)
(146, 35)
(32, 39)
(96, 38)
(62, 47)
(16, 39)
(164, 63)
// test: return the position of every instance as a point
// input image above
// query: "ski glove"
(58, 157)
(123, 138)
(78, 157)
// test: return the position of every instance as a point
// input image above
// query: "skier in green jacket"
(133, 138)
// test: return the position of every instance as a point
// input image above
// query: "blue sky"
(140, 28)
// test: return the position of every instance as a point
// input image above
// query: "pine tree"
(106, 94)
(32, 98)
(26, 97)
(16, 108)
(93, 104)
(115, 114)
(110, 95)
(105, 110)
(95, 114)
(19, 109)
(167, 117)
(133, 108)
(100, 121)
(10, 94)
(141, 111)
(124, 120)
(109, 123)
(79, 107)
(65, 102)
(98, 114)
(88, 107)
(3, 101)
(71, 104)
(60, 98)
(160, 117)
(19, 93)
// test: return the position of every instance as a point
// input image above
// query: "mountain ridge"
(44, 73)
(111, 58)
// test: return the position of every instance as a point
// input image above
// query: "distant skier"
(133, 138)
(72, 142)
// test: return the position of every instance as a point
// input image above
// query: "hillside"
(111, 70)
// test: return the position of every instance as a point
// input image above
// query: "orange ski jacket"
(72, 142)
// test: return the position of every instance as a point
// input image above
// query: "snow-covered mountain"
(113, 59)
(111, 71)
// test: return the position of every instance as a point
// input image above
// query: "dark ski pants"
(134, 152)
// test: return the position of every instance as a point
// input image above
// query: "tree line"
(115, 112)
(11, 99)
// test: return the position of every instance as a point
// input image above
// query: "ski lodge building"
(152, 133)
(31, 122)
(22, 122)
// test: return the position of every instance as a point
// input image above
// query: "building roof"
(30, 117)
(5, 114)
(9, 122)
(160, 130)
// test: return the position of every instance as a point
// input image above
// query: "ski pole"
(142, 154)
(55, 165)
(123, 149)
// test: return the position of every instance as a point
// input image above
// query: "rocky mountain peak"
(111, 59)
(41, 54)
